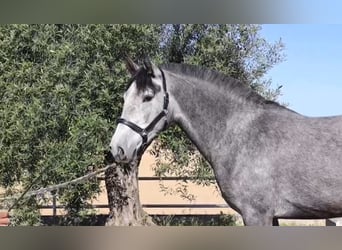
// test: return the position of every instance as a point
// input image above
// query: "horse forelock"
(142, 79)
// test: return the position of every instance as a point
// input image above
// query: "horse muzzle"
(119, 155)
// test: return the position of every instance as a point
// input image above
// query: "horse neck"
(209, 116)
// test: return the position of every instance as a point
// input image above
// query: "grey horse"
(269, 161)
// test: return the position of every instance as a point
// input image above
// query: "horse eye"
(147, 98)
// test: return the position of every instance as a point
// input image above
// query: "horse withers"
(269, 161)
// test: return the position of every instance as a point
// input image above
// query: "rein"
(143, 132)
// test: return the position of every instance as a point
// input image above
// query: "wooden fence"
(54, 206)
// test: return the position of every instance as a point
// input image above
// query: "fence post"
(54, 207)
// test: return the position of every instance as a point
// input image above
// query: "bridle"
(143, 132)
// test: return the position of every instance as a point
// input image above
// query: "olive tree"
(61, 88)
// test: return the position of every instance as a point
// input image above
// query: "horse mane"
(227, 83)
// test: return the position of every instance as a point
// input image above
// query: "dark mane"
(219, 79)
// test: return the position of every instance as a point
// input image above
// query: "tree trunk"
(123, 197)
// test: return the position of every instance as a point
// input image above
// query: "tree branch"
(51, 188)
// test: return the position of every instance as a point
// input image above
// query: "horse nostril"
(121, 152)
(109, 159)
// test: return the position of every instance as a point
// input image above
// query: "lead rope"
(16, 202)
(41, 191)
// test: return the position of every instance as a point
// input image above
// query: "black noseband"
(144, 132)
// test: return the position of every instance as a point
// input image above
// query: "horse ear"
(131, 66)
(148, 66)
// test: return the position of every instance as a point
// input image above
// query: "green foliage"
(27, 215)
(236, 50)
(195, 220)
